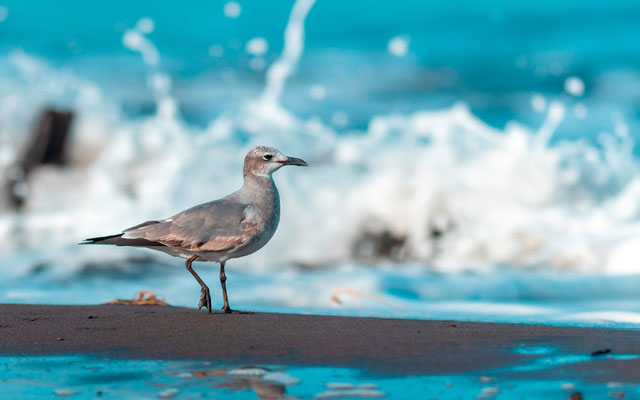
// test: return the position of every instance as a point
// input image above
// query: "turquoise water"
(491, 55)
(360, 291)
(91, 377)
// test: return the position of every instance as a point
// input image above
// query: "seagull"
(234, 226)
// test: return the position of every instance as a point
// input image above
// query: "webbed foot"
(228, 310)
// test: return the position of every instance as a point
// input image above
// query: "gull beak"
(294, 161)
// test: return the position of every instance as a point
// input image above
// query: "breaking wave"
(438, 189)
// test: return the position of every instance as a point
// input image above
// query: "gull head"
(264, 160)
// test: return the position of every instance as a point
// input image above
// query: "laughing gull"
(231, 227)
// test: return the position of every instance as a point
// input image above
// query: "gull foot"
(205, 299)
(228, 310)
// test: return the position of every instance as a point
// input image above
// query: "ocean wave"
(441, 188)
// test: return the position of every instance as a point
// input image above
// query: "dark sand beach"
(378, 346)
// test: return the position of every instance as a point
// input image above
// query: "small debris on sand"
(281, 377)
(263, 390)
(205, 373)
(600, 352)
(144, 298)
(343, 386)
(338, 297)
(489, 392)
(339, 394)
(249, 371)
(59, 339)
(169, 393)
(63, 392)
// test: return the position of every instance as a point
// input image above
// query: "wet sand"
(376, 345)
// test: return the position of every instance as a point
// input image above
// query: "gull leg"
(225, 306)
(223, 280)
(205, 297)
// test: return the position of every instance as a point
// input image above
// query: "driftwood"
(144, 298)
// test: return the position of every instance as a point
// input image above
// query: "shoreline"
(375, 345)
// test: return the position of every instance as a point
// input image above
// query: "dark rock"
(372, 246)
(48, 144)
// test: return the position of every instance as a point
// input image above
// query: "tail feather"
(118, 240)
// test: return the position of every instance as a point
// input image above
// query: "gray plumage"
(233, 226)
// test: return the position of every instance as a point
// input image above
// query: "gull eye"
(267, 156)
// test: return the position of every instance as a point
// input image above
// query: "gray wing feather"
(215, 226)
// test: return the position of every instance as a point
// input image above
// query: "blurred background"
(469, 160)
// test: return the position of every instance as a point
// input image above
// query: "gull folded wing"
(215, 226)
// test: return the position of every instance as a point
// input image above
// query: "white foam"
(257, 46)
(399, 45)
(608, 316)
(145, 25)
(4, 13)
(538, 103)
(497, 196)
(268, 106)
(580, 111)
(257, 63)
(317, 92)
(340, 119)
(232, 10)
(574, 86)
(135, 40)
(216, 51)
